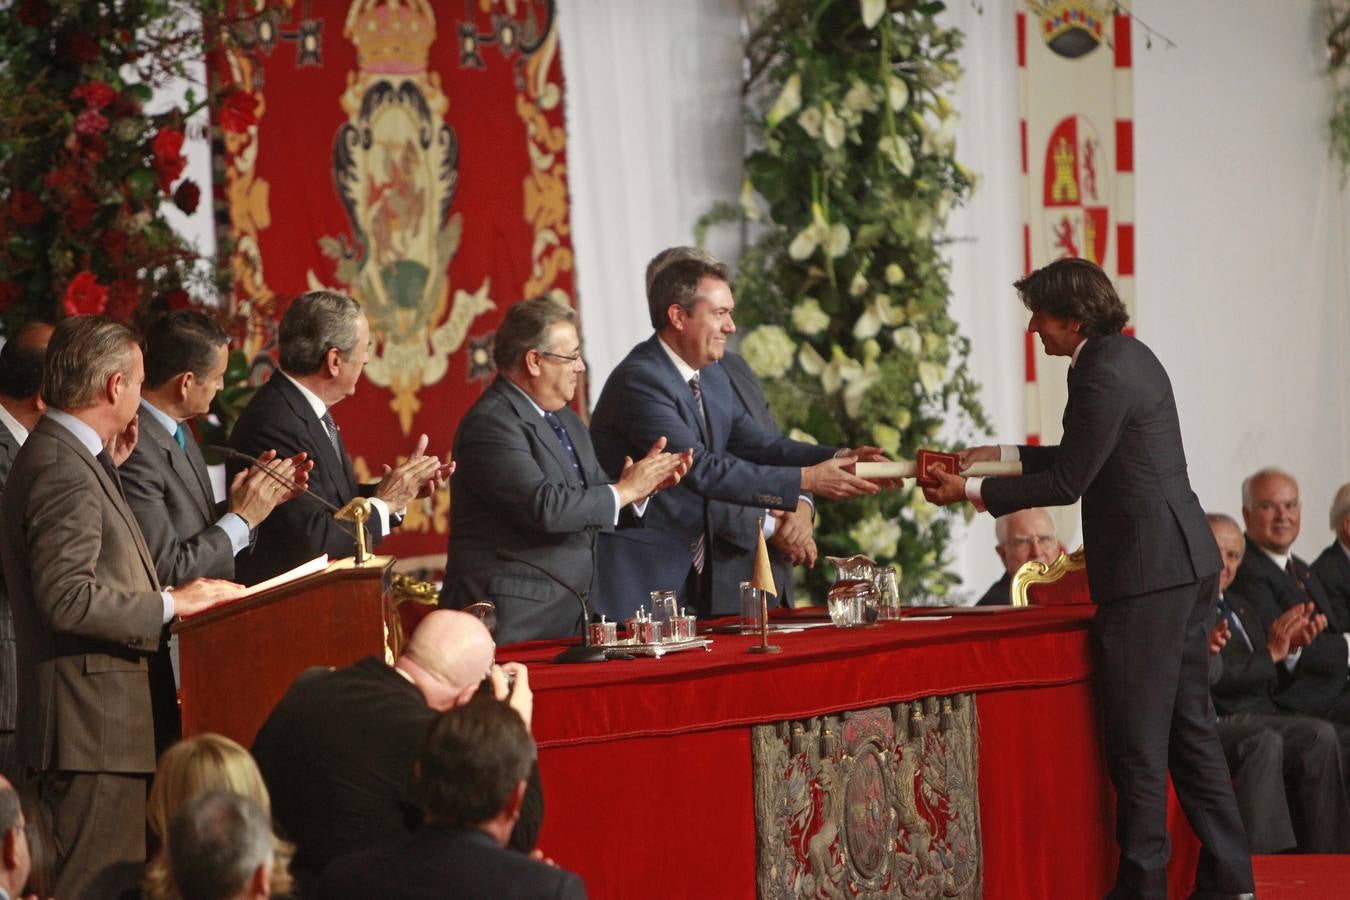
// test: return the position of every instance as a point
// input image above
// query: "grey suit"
(515, 488)
(9, 692)
(170, 493)
(88, 615)
(735, 528)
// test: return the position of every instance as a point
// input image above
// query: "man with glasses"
(15, 856)
(1023, 536)
(527, 482)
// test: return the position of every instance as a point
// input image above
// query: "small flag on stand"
(763, 577)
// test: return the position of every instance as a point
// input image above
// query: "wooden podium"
(236, 660)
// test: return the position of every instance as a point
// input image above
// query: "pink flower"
(90, 122)
(85, 296)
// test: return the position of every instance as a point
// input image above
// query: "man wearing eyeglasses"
(15, 855)
(1023, 536)
(527, 481)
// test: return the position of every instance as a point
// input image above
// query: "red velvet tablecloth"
(647, 768)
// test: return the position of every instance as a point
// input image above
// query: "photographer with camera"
(337, 752)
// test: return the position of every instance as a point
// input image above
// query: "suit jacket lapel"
(335, 468)
(530, 416)
(680, 389)
(181, 466)
(112, 494)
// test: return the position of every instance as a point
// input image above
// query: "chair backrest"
(1062, 582)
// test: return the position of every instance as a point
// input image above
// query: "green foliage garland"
(842, 297)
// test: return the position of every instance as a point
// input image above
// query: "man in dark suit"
(473, 773)
(88, 609)
(1332, 566)
(670, 385)
(189, 534)
(735, 528)
(20, 408)
(527, 481)
(1265, 747)
(1152, 568)
(1023, 536)
(325, 342)
(1273, 579)
(337, 752)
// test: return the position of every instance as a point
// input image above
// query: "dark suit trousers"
(1152, 663)
(99, 824)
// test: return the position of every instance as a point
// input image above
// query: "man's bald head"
(447, 657)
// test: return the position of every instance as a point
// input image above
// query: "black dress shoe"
(1213, 895)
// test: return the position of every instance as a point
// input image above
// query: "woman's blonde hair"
(193, 766)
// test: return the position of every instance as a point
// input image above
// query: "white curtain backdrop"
(1242, 223)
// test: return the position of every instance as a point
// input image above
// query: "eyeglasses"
(563, 356)
(1045, 542)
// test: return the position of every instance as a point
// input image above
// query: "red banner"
(415, 160)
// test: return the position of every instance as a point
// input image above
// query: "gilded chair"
(1062, 582)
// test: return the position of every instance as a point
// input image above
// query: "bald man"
(337, 752)
(1023, 536)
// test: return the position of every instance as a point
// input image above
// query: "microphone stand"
(580, 653)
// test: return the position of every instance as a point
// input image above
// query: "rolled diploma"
(904, 468)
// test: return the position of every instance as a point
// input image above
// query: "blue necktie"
(180, 437)
(556, 424)
(1234, 623)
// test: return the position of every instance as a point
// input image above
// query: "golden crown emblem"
(1073, 27)
(391, 36)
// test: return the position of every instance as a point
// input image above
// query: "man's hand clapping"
(417, 476)
(255, 493)
(657, 471)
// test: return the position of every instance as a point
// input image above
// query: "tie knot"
(694, 385)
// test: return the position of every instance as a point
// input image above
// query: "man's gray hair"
(1340, 506)
(314, 324)
(1003, 523)
(526, 327)
(84, 352)
(1267, 472)
(216, 841)
(9, 808)
(1218, 518)
(673, 276)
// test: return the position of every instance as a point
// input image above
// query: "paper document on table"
(317, 564)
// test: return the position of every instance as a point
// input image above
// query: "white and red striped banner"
(1077, 146)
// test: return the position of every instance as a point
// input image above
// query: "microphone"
(582, 652)
(290, 485)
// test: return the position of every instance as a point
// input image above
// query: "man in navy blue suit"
(1153, 569)
(671, 385)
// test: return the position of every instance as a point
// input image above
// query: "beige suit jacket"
(87, 610)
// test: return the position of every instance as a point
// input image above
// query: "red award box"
(947, 462)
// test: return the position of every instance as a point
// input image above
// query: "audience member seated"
(221, 848)
(1273, 579)
(14, 861)
(472, 774)
(1332, 566)
(337, 752)
(1023, 536)
(1267, 751)
(188, 769)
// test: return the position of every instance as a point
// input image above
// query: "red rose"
(85, 296)
(238, 112)
(123, 300)
(58, 179)
(80, 212)
(95, 94)
(93, 147)
(167, 148)
(25, 209)
(177, 299)
(80, 49)
(187, 196)
(35, 13)
(90, 122)
(10, 293)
